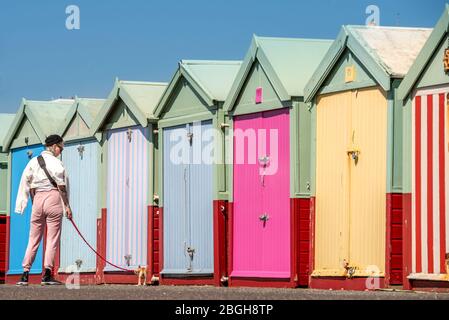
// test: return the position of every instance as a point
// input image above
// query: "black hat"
(52, 140)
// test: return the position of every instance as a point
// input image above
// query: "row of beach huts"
(345, 183)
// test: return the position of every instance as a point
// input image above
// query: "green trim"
(254, 55)
(325, 68)
(206, 115)
(407, 146)
(390, 140)
(8, 187)
(347, 86)
(367, 60)
(313, 128)
(230, 166)
(397, 182)
(425, 56)
(346, 39)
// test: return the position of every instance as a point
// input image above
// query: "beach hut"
(425, 92)
(81, 158)
(34, 121)
(357, 157)
(5, 122)
(126, 232)
(192, 180)
(269, 180)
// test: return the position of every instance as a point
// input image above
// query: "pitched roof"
(387, 52)
(45, 117)
(426, 54)
(288, 62)
(6, 121)
(140, 97)
(211, 79)
(394, 48)
(87, 108)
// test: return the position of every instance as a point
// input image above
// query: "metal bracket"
(224, 125)
(354, 154)
(81, 150)
(191, 252)
(264, 218)
(350, 271)
(79, 263)
(129, 134)
(190, 137)
(128, 258)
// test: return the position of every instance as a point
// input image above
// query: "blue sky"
(144, 39)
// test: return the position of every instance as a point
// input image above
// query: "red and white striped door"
(430, 177)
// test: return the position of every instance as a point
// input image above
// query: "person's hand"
(68, 212)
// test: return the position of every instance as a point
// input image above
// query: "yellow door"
(368, 182)
(351, 182)
(332, 183)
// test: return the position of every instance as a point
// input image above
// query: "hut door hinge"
(129, 134)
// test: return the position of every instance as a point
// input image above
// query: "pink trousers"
(47, 211)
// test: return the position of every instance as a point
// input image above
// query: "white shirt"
(34, 177)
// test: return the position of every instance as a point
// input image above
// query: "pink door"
(261, 231)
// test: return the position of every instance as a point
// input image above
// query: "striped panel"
(127, 197)
(82, 172)
(429, 188)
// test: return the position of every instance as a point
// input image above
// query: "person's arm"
(65, 199)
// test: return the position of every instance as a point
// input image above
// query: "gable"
(25, 131)
(120, 116)
(246, 100)
(434, 73)
(184, 100)
(77, 128)
(336, 81)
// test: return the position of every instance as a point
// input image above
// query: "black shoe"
(48, 280)
(24, 280)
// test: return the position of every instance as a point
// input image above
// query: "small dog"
(141, 273)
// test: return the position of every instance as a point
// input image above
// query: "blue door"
(80, 162)
(188, 199)
(20, 224)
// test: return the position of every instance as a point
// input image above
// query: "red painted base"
(331, 283)
(431, 286)
(3, 248)
(85, 278)
(188, 281)
(394, 253)
(33, 279)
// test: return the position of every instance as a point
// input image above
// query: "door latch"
(263, 161)
(264, 218)
(191, 252)
(354, 154)
(129, 133)
(350, 270)
(79, 263)
(81, 151)
(128, 258)
(190, 137)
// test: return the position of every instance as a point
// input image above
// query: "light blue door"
(20, 224)
(201, 199)
(80, 162)
(176, 158)
(188, 200)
